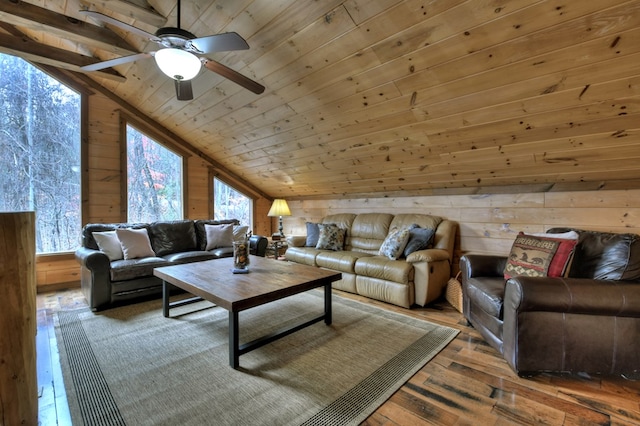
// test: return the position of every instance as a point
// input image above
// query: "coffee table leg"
(327, 304)
(165, 299)
(234, 340)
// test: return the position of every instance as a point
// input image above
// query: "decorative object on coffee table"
(241, 256)
(279, 208)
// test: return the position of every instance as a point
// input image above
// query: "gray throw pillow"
(419, 239)
(313, 234)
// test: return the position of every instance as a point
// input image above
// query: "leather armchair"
(582, 323)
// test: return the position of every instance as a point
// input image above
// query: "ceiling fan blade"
(184, 91)
(219, 43)
(113, 62)
(234, 76)
(109, 20)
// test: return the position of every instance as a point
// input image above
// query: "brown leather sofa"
(588, 322)
(418, 278)
(106, 283)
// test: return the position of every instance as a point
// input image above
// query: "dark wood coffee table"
(266, 282)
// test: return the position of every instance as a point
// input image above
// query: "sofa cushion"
(218, 236)
(109, 244)
(303, 255)
(87, 231)
(534, 256)
(419, 239)
(313, 234)
(368, 232)
(331, 237)
(342, 261)
(394, 243)
(404, 220)
(487, 293)
(172, 236)
(381, 267)
(189, 256)
(135, 243)
(128, 269)
(201, 235)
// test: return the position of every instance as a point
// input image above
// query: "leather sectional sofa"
(107, 282)
(588, 322)
(418, 278)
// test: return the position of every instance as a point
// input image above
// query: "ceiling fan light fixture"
(177, 63)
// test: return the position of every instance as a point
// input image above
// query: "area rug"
(132, 366)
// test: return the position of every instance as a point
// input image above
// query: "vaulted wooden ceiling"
(377, 97)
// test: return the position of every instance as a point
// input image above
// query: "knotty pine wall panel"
(488, 223)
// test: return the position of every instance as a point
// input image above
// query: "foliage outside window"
(231, 204)
(40, 153)
(154, 178)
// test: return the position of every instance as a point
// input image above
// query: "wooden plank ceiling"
(384, 97)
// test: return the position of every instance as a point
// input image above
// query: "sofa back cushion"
(174, 236)
(368, 232)
(605, 256)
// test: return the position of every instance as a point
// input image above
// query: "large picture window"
(154, 180)
(40, 153)
(231, 204)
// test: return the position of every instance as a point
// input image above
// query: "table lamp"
(279, 208)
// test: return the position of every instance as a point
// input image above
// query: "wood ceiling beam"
(141, 12)
(22, 14)
(20, 45)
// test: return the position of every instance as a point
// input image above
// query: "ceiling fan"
(181, 54)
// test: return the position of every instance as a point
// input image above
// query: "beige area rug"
(132, 366)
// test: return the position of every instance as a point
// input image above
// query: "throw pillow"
(394, 244)
(419, 239)
(313, 234)
(218, 236)
(240, 233)
(539, 256)
(135, 243)
(330, 237)
(109, 244)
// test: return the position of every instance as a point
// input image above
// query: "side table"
(278, 247)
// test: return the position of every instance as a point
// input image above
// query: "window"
(154, 180)
(231, 204)
(40, 153)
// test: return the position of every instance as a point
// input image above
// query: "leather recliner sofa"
(418, 278)
(588, 322)
(105, 282)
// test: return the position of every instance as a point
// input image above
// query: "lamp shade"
(177, 63)
(279, 208)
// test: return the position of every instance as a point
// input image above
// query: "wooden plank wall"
(104, 181)
(488, 223)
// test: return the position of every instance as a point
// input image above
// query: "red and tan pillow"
(537, 256)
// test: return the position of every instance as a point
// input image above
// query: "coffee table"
(266, 282)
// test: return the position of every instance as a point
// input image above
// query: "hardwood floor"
(467, 383)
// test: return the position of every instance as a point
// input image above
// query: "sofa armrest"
(95, 260)
(482, 265)
(428, 255)
(573, 296)
(95, 277)
(258, 245)
(296, 240)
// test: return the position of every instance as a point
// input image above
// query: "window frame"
(212, 176)
(158, 137)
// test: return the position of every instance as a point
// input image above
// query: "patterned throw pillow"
(534, 256)
(395, 242)
(330, 237)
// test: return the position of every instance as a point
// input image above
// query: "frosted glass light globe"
(177, 63)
